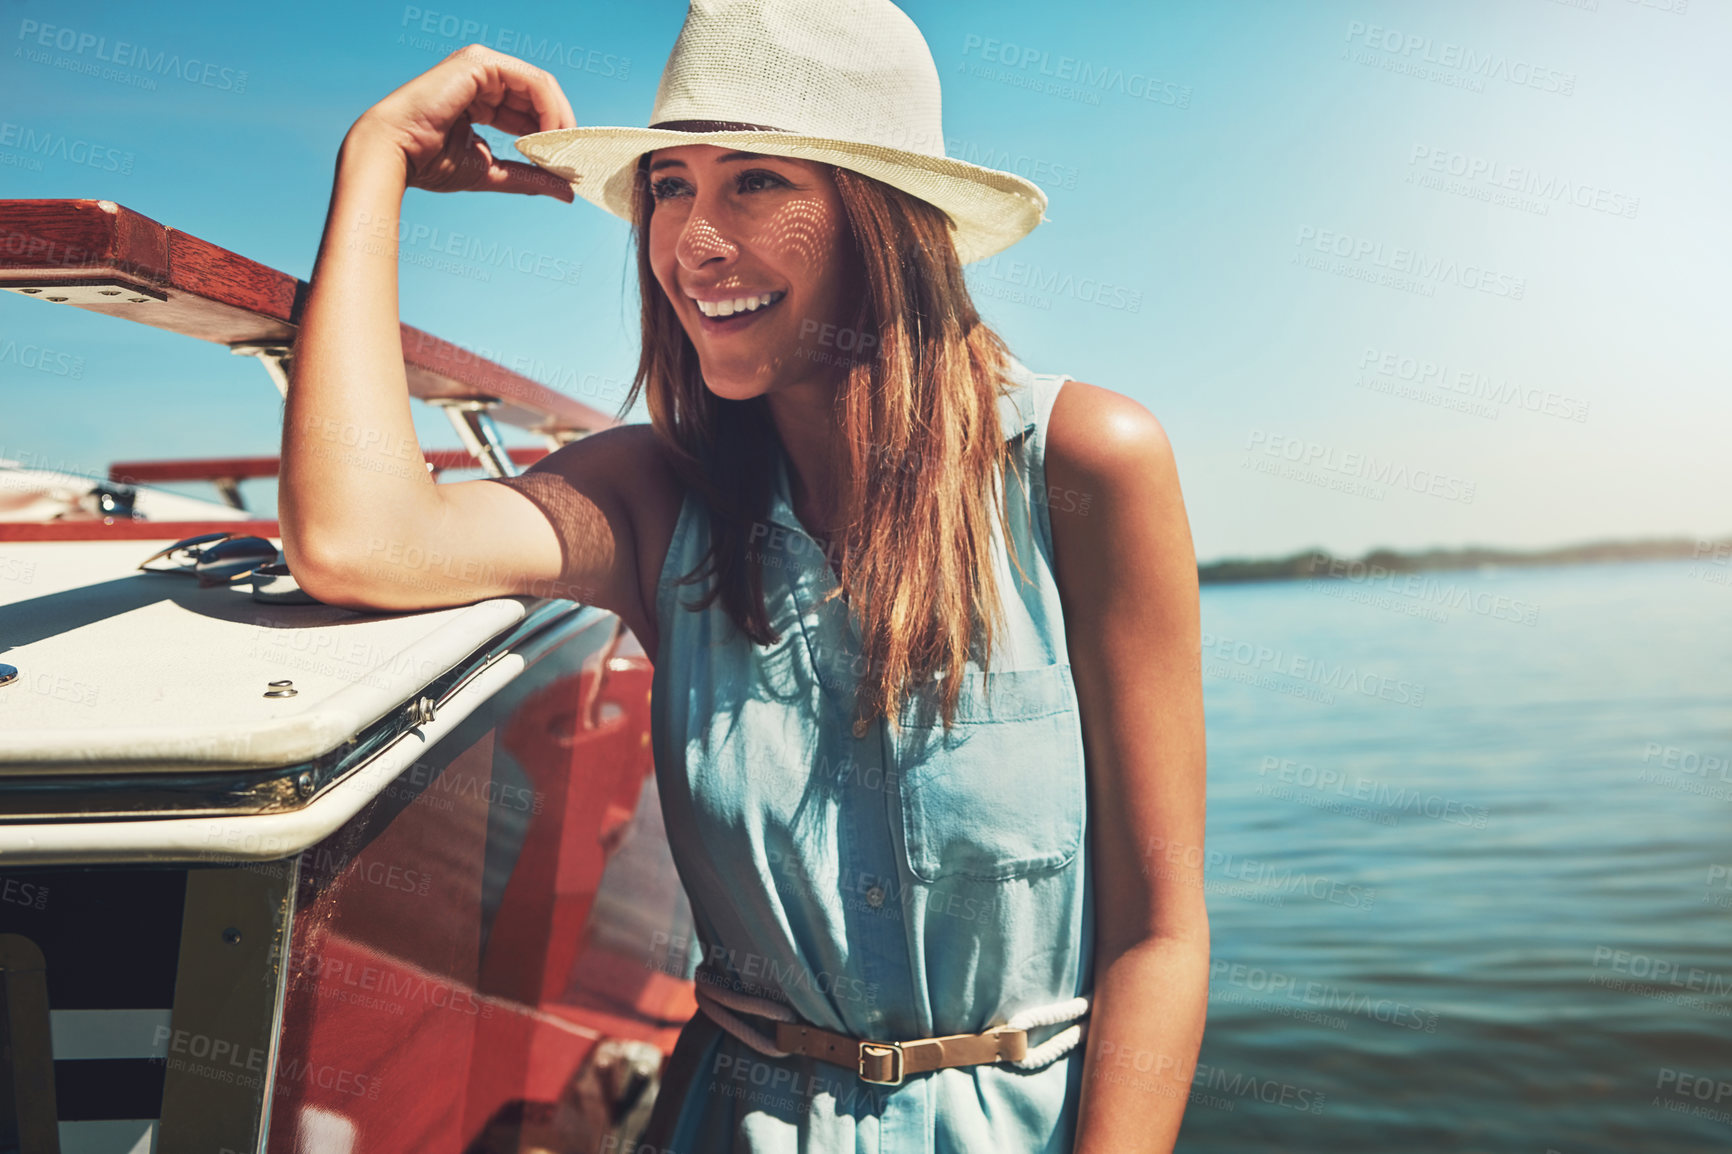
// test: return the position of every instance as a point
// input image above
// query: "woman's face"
(729, 230)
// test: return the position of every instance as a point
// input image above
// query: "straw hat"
(843, 82)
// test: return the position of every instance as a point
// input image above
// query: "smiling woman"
(811, 251)
(916, 727)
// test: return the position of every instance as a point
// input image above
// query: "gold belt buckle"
(895, 1049)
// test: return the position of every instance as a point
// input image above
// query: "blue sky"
(1390, 273)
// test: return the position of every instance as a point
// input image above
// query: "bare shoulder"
(1121, 536)
(1099, 440)
(631, 455)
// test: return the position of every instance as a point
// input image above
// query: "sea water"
(1469, 863)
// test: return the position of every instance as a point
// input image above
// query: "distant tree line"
(1318, 563)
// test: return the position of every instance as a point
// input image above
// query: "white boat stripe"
(123, 1136)
(81, 1034)
(266, 836)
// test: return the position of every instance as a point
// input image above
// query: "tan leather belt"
(887, 1063)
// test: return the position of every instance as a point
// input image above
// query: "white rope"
(715, 1001)
(1050, 1050)
(1060, 1043)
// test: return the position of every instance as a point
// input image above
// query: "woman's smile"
(723, 307)
(730, 314)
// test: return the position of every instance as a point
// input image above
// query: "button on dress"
(894, 885)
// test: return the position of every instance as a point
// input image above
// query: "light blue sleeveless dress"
(890, 886)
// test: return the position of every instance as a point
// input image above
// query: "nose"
(703, 239)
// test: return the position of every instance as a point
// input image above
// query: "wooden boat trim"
(191, 286)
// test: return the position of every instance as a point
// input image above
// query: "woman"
(900, 592)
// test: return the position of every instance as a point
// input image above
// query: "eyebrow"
(726, 156)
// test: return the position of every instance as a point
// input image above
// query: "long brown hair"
(923, 450)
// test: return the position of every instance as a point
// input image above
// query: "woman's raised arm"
(363, 524)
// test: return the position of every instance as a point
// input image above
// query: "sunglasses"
(214, 558)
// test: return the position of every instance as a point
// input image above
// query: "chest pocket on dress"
(1003, 793)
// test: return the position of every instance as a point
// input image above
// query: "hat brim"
(989, 210)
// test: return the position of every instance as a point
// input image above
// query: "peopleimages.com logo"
(1410, 264)
(1370, 472)
(1340, 676)
(93, 51)
(1419, 52)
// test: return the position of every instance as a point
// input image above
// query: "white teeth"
(737, 305)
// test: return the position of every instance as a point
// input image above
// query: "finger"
(533, 96)
(500, 106)
(556, 113)
(548, 100)
(474, 165)
(493, 72)
(516, 121)
(489, 92)
(515, 176)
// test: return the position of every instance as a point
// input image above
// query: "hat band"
(714, 126)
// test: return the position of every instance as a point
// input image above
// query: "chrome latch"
(421, 711)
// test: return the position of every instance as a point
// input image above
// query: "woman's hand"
(429, 122)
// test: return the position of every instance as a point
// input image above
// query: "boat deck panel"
(122, 670)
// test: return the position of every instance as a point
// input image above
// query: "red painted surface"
(587, 755)
(383, 967)
(116, 529)
(241, 468)
(387, 981)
